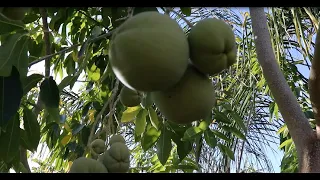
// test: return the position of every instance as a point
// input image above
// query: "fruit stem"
(182, 17)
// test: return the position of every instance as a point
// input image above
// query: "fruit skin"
(149, 52)
(116, 138)
(87, 165)
(15, 13)
(98, 146)
(212, 46)
(129, 97)
(116, 159)
(190, 100)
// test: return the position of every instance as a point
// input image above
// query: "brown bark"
(314, 84)
(307, 144)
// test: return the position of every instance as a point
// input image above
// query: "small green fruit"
(129, 97)
(190, 100)
(117, 138)
(212, 46)
(86, 165)
(117, 158)
(98, 146)
(149, 52)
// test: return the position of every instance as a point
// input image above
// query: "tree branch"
(46, 40)
(314, 84)
(106, 35)
(54, 54)
(98, 117)
(298, 125)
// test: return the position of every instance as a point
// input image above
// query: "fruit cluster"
(151, 53)
(116, 159)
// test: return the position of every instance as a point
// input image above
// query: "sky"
(275, 157)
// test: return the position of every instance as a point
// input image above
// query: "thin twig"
(98, 118)
(183, 18)
(54, 54)
(107, 35)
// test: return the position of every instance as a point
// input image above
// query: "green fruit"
(129, 97)
(212, 46)
(149, 52)
(117, 158)
(190, 100)
(117, 138)
(87, 165)
(15, 13)
(98, 146)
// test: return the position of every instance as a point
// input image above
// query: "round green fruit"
(87, 165)
(15, 13)
(117, 158)
(117, 138)
(190, 100)
(98, 146)
(149, 52)
(212, 46)
(129, 97)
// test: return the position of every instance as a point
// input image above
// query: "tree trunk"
(305, 139)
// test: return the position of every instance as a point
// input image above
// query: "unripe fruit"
(190, 100)
(117, 138)
(117, 158)
(129, 97)
(149, 52)
(212, 46)
(98, 146)
(86, 165)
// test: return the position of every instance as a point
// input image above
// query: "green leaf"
(7, 25)
(238, 133)
(32, 128)
(10, 140)
(203, 125)
(210, 138)
(186, 10)
(149, 138)
(226, 150)
(221, 117)
(183, 149)
(286, 143)
(54, 114)
(20, 56)
(153, 118)
(24, 141)
(30, 82)
(187, 167)
(85, 109)
(238, 120)
(164, 146)
(130, 114)
(11, 93)
(141, 122)
(49, 93)
(220, 135)
(10, 54)
(191, 133)
(65, 82)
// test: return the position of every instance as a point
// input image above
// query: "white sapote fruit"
(149, 52)
(212, 46)
(190, 100)
(87, 165)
